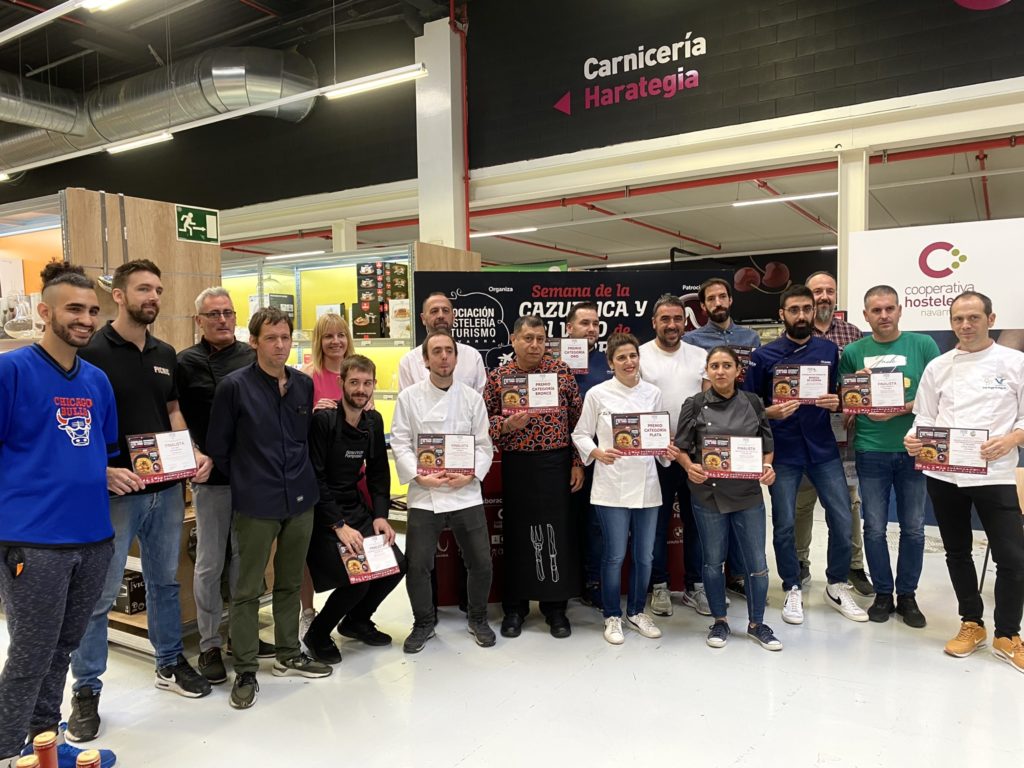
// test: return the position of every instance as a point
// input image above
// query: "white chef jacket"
(469, 368)
(984, 390)
(632, 481)
(424, 408)
(679, 375)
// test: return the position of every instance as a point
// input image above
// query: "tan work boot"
(969, 639)
(1010, 650)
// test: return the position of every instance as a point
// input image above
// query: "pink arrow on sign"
(564, 104)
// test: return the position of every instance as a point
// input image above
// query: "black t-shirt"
(143, 383)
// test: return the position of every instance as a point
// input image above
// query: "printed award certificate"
(437, 453)
(376, 562)
(805, 383)
(532, 392)
(872, 393)
(732, 458)
(951, 449)
(160, 456)
(572, 352)
(641, 434)
(743, 353)
(839, 430)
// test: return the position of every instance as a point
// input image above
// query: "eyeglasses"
(227, 314)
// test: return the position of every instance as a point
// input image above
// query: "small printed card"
(531, 392)
(950, 449)
(744, 355)
(839, 430)
(872, 393)
(157, 457)
(805, 383)
(437, 453)
(641, 434)
(732, 458)
(376, 562)
(572, 352)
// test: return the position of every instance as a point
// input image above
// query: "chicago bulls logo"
(76, 427)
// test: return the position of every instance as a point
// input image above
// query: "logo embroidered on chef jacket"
(161, 369)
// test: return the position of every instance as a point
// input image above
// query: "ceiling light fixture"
(145, 141)
(4, 177)
(830, 247)
(294, 255)
(44, 18)
(373, 82)
(783, 199)
(500, 232)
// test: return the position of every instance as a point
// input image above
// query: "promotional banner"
(930, 266)
(487, 305)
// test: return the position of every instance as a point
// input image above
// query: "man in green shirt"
(882, 462)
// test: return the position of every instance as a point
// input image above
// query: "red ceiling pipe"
(984, 184)
(261, 8)
(551, 247)
(1007, 142)
(802, 211)
(387, 224)
(40, 9)
(246, 250)
(671, 232)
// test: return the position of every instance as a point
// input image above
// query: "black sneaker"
(182, 679)
(322, 649)
(482, 633)
(264, 650)
(558, 623)
(512, 625)
(244, 691)
(418, 638)
(906, 606)
(365, 632)
(211, 666)
(881, 608)
(84, 721)
(301, 665)
(860, 581)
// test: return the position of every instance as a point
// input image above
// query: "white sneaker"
(308, 614)
(661, 600)
(697, 599)
(839, 597)
(793, 608)
(644, 624)
(613, 630)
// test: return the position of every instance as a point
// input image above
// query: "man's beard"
(823, 312)
(138, 315)
(63, 332)
(719, 315)
(798, 331)
(352, 403)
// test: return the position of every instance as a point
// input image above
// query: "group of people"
(297, 465)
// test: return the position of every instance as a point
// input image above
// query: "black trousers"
(1000, 516)
(356, 602)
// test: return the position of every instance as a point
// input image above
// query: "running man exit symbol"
(197, 225)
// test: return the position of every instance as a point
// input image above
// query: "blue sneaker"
(67, 755)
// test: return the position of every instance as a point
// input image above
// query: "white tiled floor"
(840, 694)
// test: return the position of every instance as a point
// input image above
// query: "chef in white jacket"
(626, 492)
(444, 472)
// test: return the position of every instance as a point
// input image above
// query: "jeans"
(213, 538)
(717, 529)
(1001, 518)
(155, 518)
(879, 474)
(830, 483)
(617, 523)
(470, 528)
(256, 537)
(806, 498)
(48, 607)
(673, 485)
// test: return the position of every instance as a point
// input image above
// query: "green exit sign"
(197, 225)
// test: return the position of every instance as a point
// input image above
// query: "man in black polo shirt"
(141, 370)
(200, 369)
(258, 432)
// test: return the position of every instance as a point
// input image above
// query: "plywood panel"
(439, 258)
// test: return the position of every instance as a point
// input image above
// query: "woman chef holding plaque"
(626, 493)
(725, 469)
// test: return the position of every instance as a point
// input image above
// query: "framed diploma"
(376, 562)
(572, 352)
(436, 453)
(872, 393)
(805, 383)
(157, 457)
(531, 392)
(951, 449)
(641, 434)
(732, 458)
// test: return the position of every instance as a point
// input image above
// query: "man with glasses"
(200, 369)
(804, 444)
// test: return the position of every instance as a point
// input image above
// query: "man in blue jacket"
(804, 444)
(257, 437)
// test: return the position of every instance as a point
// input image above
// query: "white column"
(853, 215)
(343, 234)
(439, 141)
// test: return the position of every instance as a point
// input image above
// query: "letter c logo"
(958, 258)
